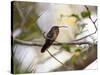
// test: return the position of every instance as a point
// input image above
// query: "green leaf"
(78, 50)
(74, 60)
(82, 26)
(85, 14)
(74, 15)
(66, 47)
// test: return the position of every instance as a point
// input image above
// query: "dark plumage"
(50, 38)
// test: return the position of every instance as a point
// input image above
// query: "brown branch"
(38, 44)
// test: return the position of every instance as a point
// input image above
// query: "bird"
(51, 37)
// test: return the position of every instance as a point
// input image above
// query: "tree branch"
(38, 44)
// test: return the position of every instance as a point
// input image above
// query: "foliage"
(85, 14)
(77, 16)
(66, 47)
(24, 18)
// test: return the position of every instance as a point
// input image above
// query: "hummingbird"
(51, 37)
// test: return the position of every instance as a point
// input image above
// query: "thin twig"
(91, 18)
(55, 58)
(93, 24)
(95, 21)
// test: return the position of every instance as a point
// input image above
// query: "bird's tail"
(43, 49)
(46, 46)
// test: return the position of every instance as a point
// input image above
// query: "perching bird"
(50, 38)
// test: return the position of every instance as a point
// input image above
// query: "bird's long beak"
(63, 26)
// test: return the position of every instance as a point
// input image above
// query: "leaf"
(85, 14)
(74, 60)
(78, 50)
(74, 15)
(66, 47)
(82, 26)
